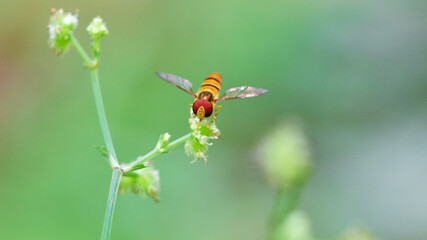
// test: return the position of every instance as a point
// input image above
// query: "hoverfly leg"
(216, 110)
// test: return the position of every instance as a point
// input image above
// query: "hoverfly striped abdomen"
(212, 84)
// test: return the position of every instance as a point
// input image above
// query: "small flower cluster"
(61, 26)
(97, 28)
(144, 182)
(202, 132)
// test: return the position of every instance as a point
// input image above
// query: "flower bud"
(144, 182)
(285, 157)
(61, 26)
(97, 28)
(163, 142)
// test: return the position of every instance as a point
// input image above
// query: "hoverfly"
(206, 98)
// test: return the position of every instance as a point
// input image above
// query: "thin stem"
(275, 211)
(80, 50)
(111, 203)
(285, 202)
(156, 151)
(117, 172)
(178, 141)
(102, 117)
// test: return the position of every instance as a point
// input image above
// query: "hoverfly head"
(202, 108)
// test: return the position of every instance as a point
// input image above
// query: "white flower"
(52, 32)
(97, 28)
(60, 28)
(70, 19)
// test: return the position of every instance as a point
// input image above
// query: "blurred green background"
(354, 71)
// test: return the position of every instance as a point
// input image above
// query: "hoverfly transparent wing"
(241, 92)
(179, 82)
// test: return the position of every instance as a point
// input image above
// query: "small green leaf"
(103, 151)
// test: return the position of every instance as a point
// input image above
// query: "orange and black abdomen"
(212, 84)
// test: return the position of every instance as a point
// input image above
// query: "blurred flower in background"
(357, 234)
(296, 226)
(284, 155)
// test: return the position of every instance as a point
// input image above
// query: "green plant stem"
(285, 202)
(98, 100)
(156, 151)
(102, 118)
(80, 50)
(111, 203)
(117, 172)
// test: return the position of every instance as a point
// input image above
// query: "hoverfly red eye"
(205, 104)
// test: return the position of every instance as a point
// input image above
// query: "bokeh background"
(353, 71)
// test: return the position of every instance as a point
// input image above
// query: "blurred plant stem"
(285, 202)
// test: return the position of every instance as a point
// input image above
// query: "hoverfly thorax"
(206, 96)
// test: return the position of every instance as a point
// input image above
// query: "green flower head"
(144, 182)
(61, 26)
(202, 132)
